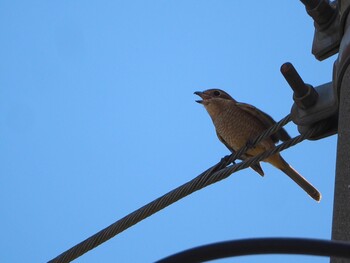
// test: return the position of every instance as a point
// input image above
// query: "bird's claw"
(249, 144)
(225, 159)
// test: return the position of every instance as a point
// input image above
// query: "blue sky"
(98, 118)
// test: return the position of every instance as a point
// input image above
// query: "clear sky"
(98, 118)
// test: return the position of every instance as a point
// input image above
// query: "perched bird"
(238, 123)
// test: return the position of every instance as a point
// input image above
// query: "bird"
(237, 124)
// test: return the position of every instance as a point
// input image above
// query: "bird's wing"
(256, 167)
(266, 120)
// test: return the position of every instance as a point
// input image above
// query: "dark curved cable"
(212, 175)
(244, 247)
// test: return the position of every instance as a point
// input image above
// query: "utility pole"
(332, 35)
(341, 207)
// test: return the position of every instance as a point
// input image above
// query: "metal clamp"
(312, 105)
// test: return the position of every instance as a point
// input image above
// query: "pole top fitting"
(320, 11)
(305, 96)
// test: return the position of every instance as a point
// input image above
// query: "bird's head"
(214, 100)
(212, 95)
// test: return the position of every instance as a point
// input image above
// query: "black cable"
(204, 179)
(212, 175)
(243, 247)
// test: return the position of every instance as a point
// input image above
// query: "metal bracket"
(312, 105)
(327, 27)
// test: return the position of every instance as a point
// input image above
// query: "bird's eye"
(216, 93)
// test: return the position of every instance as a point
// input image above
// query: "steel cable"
(216, 173)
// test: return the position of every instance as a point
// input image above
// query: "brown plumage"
(238, 123)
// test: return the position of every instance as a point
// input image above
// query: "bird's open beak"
(203, 95)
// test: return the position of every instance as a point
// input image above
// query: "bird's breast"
(236, 127)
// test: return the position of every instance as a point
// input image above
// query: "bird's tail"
(277, 161)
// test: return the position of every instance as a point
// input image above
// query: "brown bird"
(238, 123)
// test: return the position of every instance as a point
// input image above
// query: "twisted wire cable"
(214, 174)
(225, 172)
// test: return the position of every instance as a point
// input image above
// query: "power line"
(255, 246)
(212, 175)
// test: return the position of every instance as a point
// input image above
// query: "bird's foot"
(226, 159)
(249, 144)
